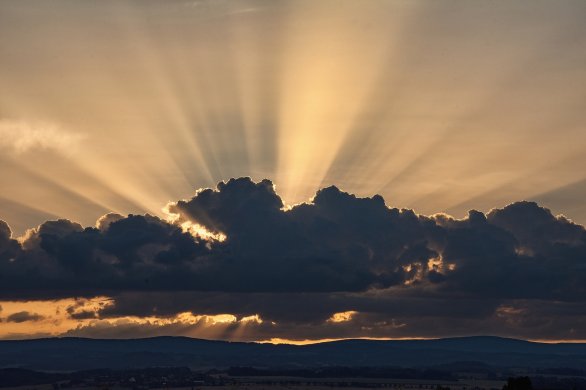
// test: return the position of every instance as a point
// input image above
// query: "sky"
(293, 170)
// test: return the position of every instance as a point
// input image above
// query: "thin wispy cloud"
(21, 137)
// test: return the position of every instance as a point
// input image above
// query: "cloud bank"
(378, 271)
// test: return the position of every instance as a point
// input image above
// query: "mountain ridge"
(74, 353)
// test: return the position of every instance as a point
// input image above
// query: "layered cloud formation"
(340, 266)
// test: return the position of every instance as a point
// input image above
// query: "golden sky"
(438, 106)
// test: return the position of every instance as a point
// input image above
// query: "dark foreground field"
(456, 377)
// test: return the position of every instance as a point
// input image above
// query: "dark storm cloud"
(60, 258)
(337, 243)
(59, 229)
(520, 251)
(404, 274)
(536, 229)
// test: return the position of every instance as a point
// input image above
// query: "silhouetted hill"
(69, 354)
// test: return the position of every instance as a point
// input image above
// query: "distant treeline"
(157, 377)
(151, 377)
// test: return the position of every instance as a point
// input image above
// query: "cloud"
(104, 222)
(9, 248)
(59, 229)
(339, 266)
(5, 232)
(336, 243)
(343, 316)
(524, 319)
(536, 229)
(24, 316)
(20, 137)
(61, 259)
(223, 326)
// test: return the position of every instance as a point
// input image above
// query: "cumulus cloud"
(337, 243)
(9, 248)
(5, 232)
(104, 222)
(536, 229)
(59, 229)
(339, 266)
(20, 137)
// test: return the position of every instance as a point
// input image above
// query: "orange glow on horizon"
(318, 341)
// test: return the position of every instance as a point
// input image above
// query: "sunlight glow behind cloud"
(437, 106)
(75, 316)
(342, 316)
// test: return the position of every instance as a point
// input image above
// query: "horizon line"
(280, 341)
